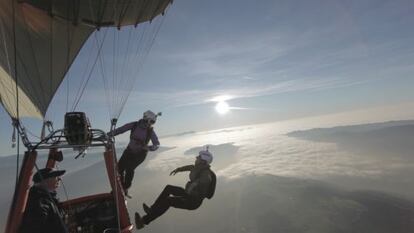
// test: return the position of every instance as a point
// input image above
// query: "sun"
(222, 107)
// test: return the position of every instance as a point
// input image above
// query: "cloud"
(263, 149)
(180, 98)
(220, 98)
(226, 148)
(234, 56)
(307, 53)
(312, 54)
(249, 67)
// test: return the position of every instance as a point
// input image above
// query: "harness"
(148, 135)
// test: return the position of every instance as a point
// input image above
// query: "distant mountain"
(177, 134)
(382, 139)
(325, 133)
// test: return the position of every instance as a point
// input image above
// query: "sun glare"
(222, 107)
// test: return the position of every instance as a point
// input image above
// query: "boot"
(139, 222)
(146, 208)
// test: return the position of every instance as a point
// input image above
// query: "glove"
(153, 148)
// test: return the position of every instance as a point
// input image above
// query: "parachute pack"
(212, 188)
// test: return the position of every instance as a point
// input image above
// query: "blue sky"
(276, 60)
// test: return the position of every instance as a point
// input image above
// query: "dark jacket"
(200, 180)
(42, 214)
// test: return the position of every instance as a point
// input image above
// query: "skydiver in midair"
(202, 185)
(141, 132)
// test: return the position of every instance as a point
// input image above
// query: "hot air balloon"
(40, 40)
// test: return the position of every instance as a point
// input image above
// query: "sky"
(269, 60)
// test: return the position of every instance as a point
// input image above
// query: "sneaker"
(146, 208)
(139, 222)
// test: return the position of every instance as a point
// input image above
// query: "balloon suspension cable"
(13, 140)
(17, 93)
(111, 141)
(46, 125)
(18, 154)
(113, 123)
(22, 133)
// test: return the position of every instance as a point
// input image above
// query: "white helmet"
(150, 116)
(206, 156)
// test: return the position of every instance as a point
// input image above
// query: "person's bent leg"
(184, 202)
(164, 201)
(166, 192)
(129, 175)
(122, 164)
(164, 204)
(134, 161)
(187, 202)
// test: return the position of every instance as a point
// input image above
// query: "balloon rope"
(40, 91)
(113, 126)
(5, 98)
(67, 55)
(89, 77)
(105, 80)
(115, 172)
(17, 92)
(50, 115)
(51, 51)
(139, 66)
(85, 80)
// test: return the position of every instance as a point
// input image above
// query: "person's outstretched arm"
(182, 169)
(122, 129)
(155, 142)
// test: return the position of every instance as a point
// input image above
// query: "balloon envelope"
(41, 39)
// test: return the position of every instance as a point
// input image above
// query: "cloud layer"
(264, 149)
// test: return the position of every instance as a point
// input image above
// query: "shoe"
(146, 208)
(139, 222)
